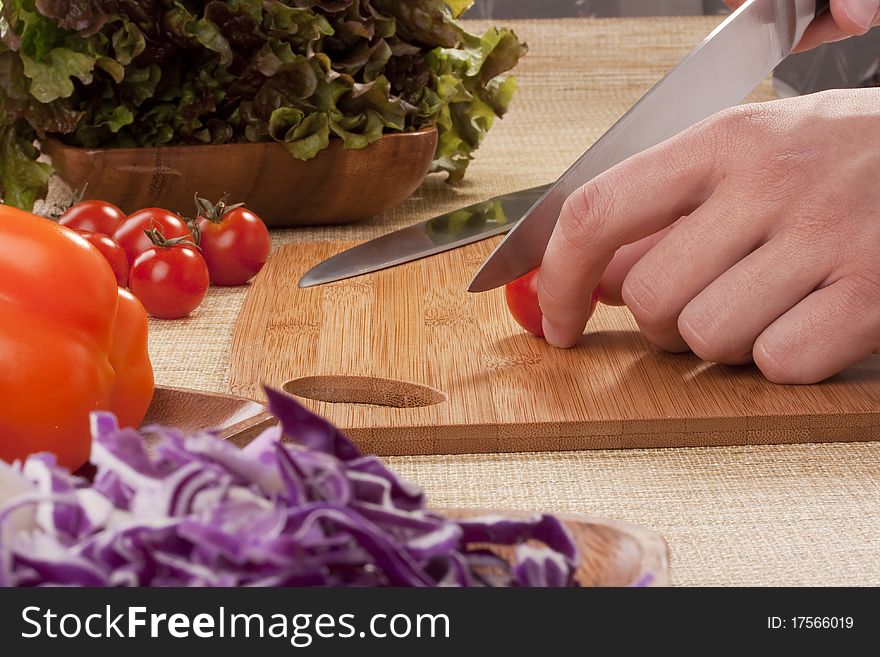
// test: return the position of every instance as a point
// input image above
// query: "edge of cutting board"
(399, 441)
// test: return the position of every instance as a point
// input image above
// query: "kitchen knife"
(719, 73)
(447, 231)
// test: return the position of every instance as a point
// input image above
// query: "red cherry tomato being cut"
(93, 216)
(112, 253)
(522, 301)
(234, 241)
(171, 281)
(134, 240)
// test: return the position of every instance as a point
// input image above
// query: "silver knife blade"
(442, 233)
(718, 74)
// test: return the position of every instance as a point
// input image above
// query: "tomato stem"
(194, 229)
(159, 239)
(214, 212)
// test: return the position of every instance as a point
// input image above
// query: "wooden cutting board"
(407, 362)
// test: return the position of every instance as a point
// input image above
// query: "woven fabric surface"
(766, 515)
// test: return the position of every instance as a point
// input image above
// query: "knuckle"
(734, 131)
(708, 338)
(775, 362)
(862, 296)
(551, 293)
(651, 311)
(745, 120)
(805, 232)
(584, 213)
(743, 133)
(780, 170)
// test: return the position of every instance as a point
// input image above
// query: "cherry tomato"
(522, 301)
(134, 241)
(171, 281)
(93, 216)
(112, 252)
(235, 243)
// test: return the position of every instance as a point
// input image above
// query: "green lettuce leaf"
(51, 78)
(22, 179)
(128, 42)
(303, 135)
(428, 23)
(470, 93)
(458, 7)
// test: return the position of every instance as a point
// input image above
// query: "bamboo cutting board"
(407, 362)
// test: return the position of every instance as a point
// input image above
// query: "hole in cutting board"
(340, 389)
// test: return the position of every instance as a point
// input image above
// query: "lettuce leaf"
(83, 16)
(22, 178)
(121, 73)
(470, 93)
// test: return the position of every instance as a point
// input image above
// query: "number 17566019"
(810, 623)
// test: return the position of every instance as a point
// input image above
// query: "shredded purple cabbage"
(201, 512)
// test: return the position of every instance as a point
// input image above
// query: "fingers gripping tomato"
(70, 341)
(522, 301)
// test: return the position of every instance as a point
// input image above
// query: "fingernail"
(551, 335)
(862, 12)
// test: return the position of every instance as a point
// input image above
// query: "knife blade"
(442, 233)
(718, 74)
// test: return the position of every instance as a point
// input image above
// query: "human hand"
(847, 18)
(754, 235)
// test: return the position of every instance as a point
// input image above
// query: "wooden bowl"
(613, 553)
(337, 186)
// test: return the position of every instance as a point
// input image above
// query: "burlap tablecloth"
(775, 515)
